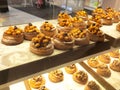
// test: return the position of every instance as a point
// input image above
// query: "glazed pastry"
(37, 81)
(103, 70)
(71, 69)
(98, 11)
(43, 88)
(92, 85)
(116, 17)
(107, 19)
(30, 31)
(114, 54)
(63, 41)
(63, 15)
(41, 45)
(80, 37)
(13, 36)
(65, 22)
(78, 23)
(56, 76)
(118, 27)
(82, 14)
(95, 34)
(115, 65)
(93, 62)
(48, 29)
(104, 58)
(80, 77)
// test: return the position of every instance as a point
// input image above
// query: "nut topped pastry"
(95, 34)
(98, 11)
(80, 36)
(13, 36)
(103, 70)
(41, 45)
(63, 15)
(56, 76)
(43, 88)
(82, 14)
(37, 81)
(118, 27)
(65, 23)
(105, 58)
(48, 29)
(71, 69)
(80, 77)
(92, 85)
(116, 17)
(114, 54)
(115, 65)
(30, 31)
(63, 41)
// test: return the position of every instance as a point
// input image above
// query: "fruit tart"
(63, 41)
(12, 36)
(80, 36)
(30, 31)
(48, 29)
(41, 45)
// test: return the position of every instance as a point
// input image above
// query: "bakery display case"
(20, 63)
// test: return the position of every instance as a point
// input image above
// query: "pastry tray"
(112, 34)
(17, 62)
(66, 84)
(111, 83)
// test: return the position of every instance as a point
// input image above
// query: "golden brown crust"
(115, 65)
(56, 76)
(118, 27)
(103, 70)
(104, 58)
(93, 62)
(91, 85)
(80, 77)
(37, 81)
(71, 69)
(114, 54)
(43, 88)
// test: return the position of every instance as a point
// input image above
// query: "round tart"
(71, 69)
(37, 82)
(63, 41)
(80, 36)
(48, 29)
(78, 23)
(103, 70)
(93, 62)
(118, 27)
(104, 58)
(41, 45)
(30, 31)
(115, 65)
(114, 54)
(80, 77)
(82, 14)
(13, 36)
(43, 88)
(92, 85)
(95, 34)
(56, 76)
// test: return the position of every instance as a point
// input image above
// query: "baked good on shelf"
(103, 70)
(105, 58)
(63, 41)
(92, 85)
(63, 15)
(12, 36)
(115, 65)
(118, 27)
(93, 62)
(41, 45)
(116, 17)
(80, 36)
(107, 19)
(37, 81)
(48, 29)
(98, 11)
(71, 69)
(56, 76)
(65, 22)
(43, 88)
(82, 14)
(78, 23)
(80, 77)
(30, 31)
(114, 54)
(95, 34)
